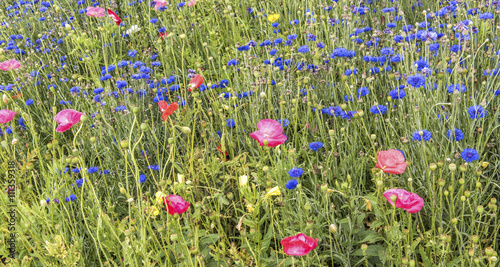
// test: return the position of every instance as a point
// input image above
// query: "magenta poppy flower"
(410, 202)
(391, 161)
(114, 17)
(298, 245)
(10, 65)
(191, 3)
(175, 204)
(160, 3)
(6, 115)
(67, 118)
(271, 131)
(95, 12)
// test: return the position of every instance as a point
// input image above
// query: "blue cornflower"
(426, 135)
(456, 134)
(470, 155)
(132, 53)
(457, 87)
(72, 197)
(292, 184)
(303, 49)
(477, 112)
(416, 81)
(380, 109)
(284, 122)
(363, 91)
(295, 172)
(485, 16)
(230, 123)
(315, 145)
(154, 167)
(142, 178)
(93, 169)
(397, 94)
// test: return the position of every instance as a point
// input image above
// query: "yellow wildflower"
(273, 17)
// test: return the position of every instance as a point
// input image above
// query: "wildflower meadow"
(249, 133)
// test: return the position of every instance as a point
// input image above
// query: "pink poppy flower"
(391, 161)
(271, 131)
(175, 204)
(298, 245)
(410, 202)
(10, 65)
(191, 3)
(95, 12)
(160, 3)
(67, 118)
(6, 115)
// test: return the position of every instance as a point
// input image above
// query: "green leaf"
(223, 200)
(371, 251)
(425, 259)
(376, 224)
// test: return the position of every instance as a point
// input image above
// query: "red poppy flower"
(226, 154)
(162, 35)
(115, 17)
(167, 109)
(391, 161)
(175, 204)
(16, 96)
(195, 82)
(298, 245)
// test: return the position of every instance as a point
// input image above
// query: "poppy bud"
(75, 160)
(493, 200)
(380, 183)
(478, 184)
(331, 132)
(136, 110)
(68, 160)
(452, 167)
(394, 198)
(14, 141)
(461, 181)
(446, 192)
(265, 169)
(124, 143)
(373, 136)
(174, 237)
(333, 228)
(5, 99)
(144, 126)
(265, 142)
(467, 193)
(324, 187)
(440, 163)
(432, 166)
(307, 206)
(75, 152)
(462, 198)
(480, 209)
(123, 191)
(92, 139)
(454, 221)
(30, 166)
(185, 130)
(84, 118)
